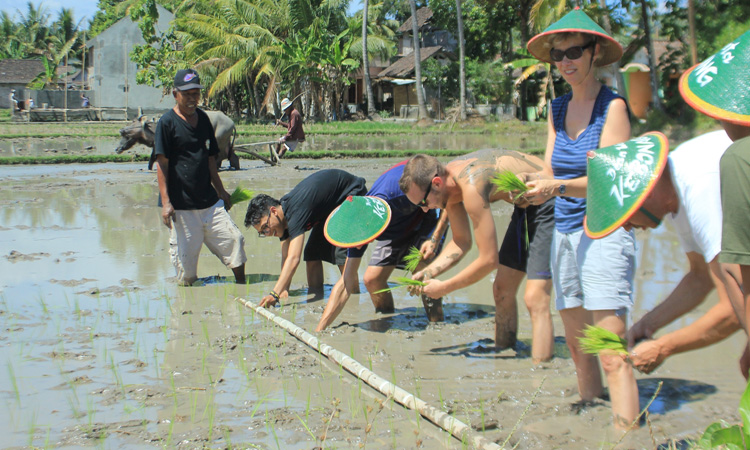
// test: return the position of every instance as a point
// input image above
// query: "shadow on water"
(415, 318)
(674, 393)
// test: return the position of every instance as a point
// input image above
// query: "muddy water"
(102, 349)
(436, 141)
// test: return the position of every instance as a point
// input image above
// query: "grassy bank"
(328, 154)
(16, 130)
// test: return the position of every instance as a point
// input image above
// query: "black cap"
(187, 79)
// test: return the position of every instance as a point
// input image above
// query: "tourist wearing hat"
(295, 134)
(718, 87)
(593, 280)
(409, 226)
(194, 201)
(682, 187)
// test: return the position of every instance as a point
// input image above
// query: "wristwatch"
(561, 188)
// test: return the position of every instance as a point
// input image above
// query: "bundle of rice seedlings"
(402, 282)
(509, 182)
(596, 339)
(241, 195)
(412, 259)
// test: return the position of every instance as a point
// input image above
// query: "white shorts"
(292, 145)
(211, 226)
(596, 274)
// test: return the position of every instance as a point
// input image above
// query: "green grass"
(509, 182)
(71, 159)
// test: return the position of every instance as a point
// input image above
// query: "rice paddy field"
(101, 349)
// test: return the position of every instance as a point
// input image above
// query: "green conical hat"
(719, 87)
(357, 221)
(576, 21)
(620, 177)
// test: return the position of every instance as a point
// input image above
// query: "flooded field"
(101, 349)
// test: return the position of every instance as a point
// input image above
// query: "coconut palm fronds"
(241, 195)
(402, 282)
(412, 259)
(596, 339)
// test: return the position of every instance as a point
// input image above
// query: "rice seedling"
(509, 182)
(595, 339)
(402, 282)
(14, 382)
(241, 195)
(412, 259)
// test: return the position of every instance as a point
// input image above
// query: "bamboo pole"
(445, 421)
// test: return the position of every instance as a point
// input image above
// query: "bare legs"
(537, 299)
(623, 390)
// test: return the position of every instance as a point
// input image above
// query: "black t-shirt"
(313, 199)
(187, 149)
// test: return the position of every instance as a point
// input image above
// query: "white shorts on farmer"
(211, 226)
(292, 145)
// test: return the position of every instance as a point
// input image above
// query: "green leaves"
(731, 437)
(402, 282)
(596, 339)
(241, 195)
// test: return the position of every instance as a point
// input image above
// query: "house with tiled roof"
(396, 82)
(16, 74)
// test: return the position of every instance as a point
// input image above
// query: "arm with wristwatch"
(542, 187)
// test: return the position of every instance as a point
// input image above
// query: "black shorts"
(391, 252)
(534, 259)
(319, 249)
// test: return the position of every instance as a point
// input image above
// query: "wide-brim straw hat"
(576, 21)
(719, 87)
(286, 103)
(620, 177)
(357, 221)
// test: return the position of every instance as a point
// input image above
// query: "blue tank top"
(569, 155)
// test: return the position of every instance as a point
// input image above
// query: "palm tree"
(462, 56)
(366, 61)
(655, 100)
(417, 60)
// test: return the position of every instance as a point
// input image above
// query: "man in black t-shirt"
(304, 208)
(194, 201)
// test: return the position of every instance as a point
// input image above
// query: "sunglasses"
(265, 230)
(572, 53)
(423, 203)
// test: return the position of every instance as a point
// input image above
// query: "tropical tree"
(462, 61)
(49, 77)
(366, 61)
(417, 61)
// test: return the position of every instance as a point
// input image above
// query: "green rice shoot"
(241, 195)
(509, 182)
(595, 339)
(402, 282)
(412, 259)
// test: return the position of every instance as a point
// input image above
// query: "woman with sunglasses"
(593, 279)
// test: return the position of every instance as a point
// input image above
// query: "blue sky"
(85, 9)
(82, 9)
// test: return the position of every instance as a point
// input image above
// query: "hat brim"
(187, 87)
(701, 104)
(610, 50)
(602, 217)
(357, 221)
